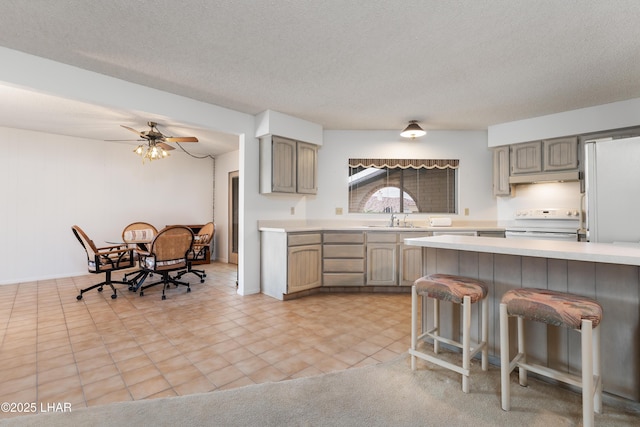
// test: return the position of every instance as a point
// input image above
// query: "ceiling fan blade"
(140, 134)
(181, 139)
(164, 146)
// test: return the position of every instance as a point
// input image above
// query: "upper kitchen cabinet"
(307, 168)
(288, 166)
(526, 158)
(560, 154)
(501, 186)
(550, 155)
(540, 161)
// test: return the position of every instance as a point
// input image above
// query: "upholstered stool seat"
(557, 309)
(458, 290)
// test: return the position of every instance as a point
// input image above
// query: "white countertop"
(300, 226)
(576, 251)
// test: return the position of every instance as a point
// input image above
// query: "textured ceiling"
(343, 64)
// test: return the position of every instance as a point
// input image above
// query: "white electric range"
(547, 224)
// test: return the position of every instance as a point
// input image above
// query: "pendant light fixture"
(413, 130)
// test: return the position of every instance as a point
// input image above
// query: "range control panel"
(548, 214)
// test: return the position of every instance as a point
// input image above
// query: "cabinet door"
(304, 268)
(411, 264)
(560, 154)
(526, 158)
(382, 264)
(283, 179)
(501, 185)
(307, 165)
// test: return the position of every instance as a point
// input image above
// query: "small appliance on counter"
(440, 222)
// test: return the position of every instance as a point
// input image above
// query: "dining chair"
(201, 247)
(167, 253)
(138, 235)
(104, 260)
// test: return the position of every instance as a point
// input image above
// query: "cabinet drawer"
(343, 279)
(304, 239)
(344, 237)
(344, 265)
(343, 251)
(389, 237)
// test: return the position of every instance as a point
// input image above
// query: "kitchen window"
(402, 186)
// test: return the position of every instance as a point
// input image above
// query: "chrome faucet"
(393, 220)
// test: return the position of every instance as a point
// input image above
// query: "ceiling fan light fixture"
(151, 152)
(413, 130)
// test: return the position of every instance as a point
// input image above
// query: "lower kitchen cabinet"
(390, 262)
(304, 268)
(412, 260)
(343, 258)
(382, 258)
(290, 262)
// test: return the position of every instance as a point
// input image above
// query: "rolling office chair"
(167, 253)
(138, 235)
(201, 247)
(104, 260)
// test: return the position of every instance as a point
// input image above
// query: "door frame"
(233, 215)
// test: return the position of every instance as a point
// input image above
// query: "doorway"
(234, 187)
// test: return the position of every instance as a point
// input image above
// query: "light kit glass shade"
(150, 151)
(413, 130)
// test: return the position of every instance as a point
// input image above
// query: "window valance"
(405, 163)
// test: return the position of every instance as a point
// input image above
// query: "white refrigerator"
(612, 190)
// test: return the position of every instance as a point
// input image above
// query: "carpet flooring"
(387, 394)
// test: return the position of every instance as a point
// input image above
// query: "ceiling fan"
(157, 146)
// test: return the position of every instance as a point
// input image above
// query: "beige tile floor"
(55, 349)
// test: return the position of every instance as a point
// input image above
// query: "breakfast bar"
(609, 273)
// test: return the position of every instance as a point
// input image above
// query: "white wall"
(575, 122)
(49, 183)
(470, 147)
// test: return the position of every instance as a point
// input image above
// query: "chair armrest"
(111, 250)
(114, 257)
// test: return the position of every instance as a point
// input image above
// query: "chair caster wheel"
(141, 293)
(188, 289)
(79, 297)
(114, 296)
(204, 275)
(201, 280)
(100, 289)
(131, 288)
(164, 297)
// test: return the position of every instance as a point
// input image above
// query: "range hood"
(545, 177)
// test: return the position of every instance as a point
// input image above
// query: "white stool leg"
(414, 318)
(505, 385)
(436, 324)
(597, 399)
(466, 341)
(485, 333)
(587, 373)
(522, 372)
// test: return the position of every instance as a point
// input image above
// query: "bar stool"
(558, 309)
(458, 290)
